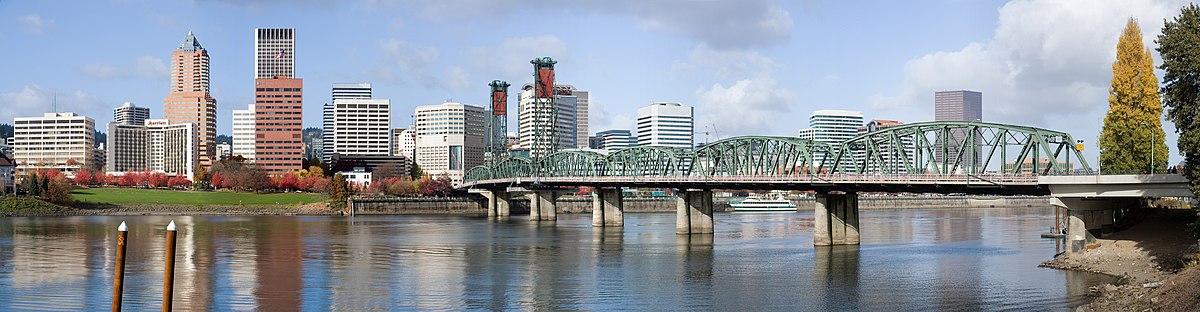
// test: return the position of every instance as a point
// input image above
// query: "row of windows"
(277, 89)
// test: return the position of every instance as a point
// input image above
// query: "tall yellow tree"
(1132, 138)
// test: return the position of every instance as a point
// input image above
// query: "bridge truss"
(926, 148)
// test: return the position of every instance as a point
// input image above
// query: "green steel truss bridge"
(942, 157)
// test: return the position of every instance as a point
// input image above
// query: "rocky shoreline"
(1154, 261)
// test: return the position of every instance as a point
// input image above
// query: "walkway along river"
(916, 259)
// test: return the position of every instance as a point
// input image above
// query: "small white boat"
(758, 204)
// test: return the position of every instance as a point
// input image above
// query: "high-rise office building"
(189, 100)
(129, 114)
(360, 127)
(278, 101)
(243, 133)
(274, 53)
(612, 140)
(354, 123)
(568, 113)
(62, 141)
(832, 127)
(351, 91)
(449, 139)
(278, 111)
(581, 113)
(665, 124)
(961, 105)
(126, 148)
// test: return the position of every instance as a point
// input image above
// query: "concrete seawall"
(474, 206)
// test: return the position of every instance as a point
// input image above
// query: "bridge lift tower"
(496, 142)
(545, 111)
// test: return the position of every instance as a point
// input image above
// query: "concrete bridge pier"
(694, 212)
(542, 206)
(607, 209)
(835, 219)
(499, 203)
(1088, 218)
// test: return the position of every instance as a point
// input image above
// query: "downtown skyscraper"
(278, 101)
(189, 100)
(959, 105)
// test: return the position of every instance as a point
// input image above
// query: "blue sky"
(748, 66)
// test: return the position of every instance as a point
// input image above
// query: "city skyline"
(1056, 77)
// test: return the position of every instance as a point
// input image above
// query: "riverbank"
(26, 207)
(1152, 259)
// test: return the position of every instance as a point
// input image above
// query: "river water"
(936, 259)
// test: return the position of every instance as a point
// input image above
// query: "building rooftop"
(190, 44)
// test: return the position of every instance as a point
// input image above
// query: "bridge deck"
(968, 184)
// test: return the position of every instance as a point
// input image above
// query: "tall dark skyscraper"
(961, 105)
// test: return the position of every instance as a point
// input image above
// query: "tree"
(58, 190)
(416, 172)
(1181, 88)
(1132, 133)
(32, 185)
(338, 191)
(84, 177)
(286, 181)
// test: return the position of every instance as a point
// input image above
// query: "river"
(928, 259)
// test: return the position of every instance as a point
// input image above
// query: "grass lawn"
(121, 196)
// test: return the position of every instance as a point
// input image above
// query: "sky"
(750, 67)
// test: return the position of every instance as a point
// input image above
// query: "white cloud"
(406, 63)
(144, 67)
(749, 102)
(32, 100)
(601, 119)
(749, 106)
(1049, 64)
(510, 60)
(35, 24)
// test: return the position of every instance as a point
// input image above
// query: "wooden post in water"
(119, 276)
(169, 269)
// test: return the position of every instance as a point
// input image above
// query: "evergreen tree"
(1179, 46)
(1132, 135)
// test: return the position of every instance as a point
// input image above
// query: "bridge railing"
(815, 179)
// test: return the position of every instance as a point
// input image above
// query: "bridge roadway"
(1086, 201)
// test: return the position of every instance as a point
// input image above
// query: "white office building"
(449, 139)
(62, 141)
(568, 113)
(129, 114)
(274, 53)
(243, 133)
(224, 150)
(666, 124)
(358, 127)
(612, 140)
(404, 142)
(360, 90)
(832, 127)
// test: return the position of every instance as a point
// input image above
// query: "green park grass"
(126, 196)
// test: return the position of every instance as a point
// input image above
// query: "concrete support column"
(498, 202)
(835, 219)
(693, 212)
(607, 209)
(542, 206)
(1088, 217)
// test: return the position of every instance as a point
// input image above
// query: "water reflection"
(910, 260)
